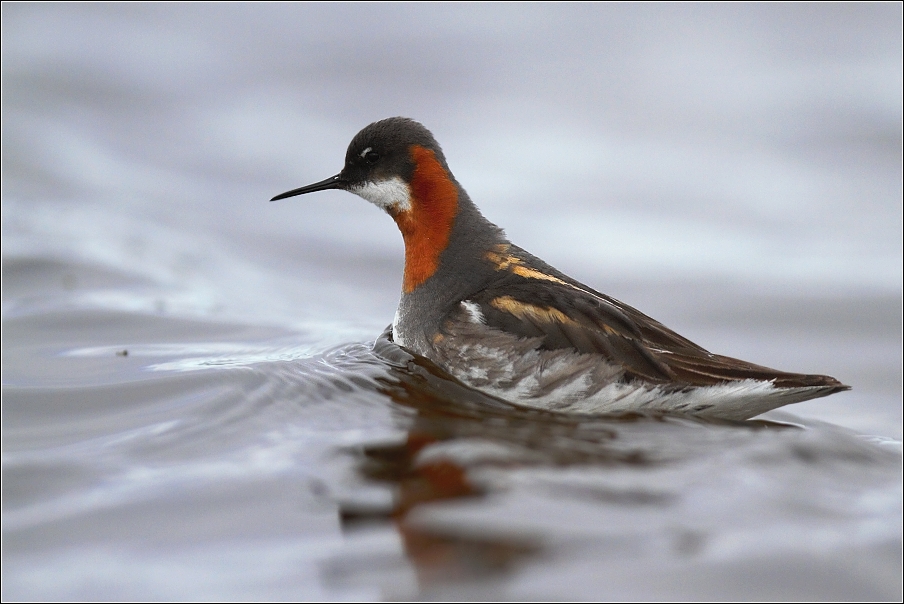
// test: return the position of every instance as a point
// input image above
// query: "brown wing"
(567, 315)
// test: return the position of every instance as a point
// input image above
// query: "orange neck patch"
(427, 224)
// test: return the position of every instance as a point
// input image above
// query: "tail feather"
(716, 369)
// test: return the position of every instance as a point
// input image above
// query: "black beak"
(333, 182)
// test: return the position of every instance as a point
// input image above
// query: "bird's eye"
(371, 157)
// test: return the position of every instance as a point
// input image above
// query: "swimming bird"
(508, 324)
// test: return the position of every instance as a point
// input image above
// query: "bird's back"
(534, 336)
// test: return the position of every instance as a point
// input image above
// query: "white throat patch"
(386, 194)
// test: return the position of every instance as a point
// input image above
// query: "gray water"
(198, 403)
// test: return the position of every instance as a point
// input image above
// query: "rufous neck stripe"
(427, 225)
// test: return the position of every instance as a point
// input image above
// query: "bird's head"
(397, 165)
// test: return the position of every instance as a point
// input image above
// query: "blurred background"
(732, 170)
(688, 160)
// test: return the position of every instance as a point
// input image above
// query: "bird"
(506, 323)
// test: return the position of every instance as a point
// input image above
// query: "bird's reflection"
(455, 431)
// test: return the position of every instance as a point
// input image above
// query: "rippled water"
(169, 458)
(197, 400)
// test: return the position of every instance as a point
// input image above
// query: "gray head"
(380, 164)
(397, 165)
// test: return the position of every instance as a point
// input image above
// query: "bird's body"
(506, 323)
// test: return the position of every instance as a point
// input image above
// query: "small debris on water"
(122, 353)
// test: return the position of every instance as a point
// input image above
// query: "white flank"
(473, 312)
(386, 194)
(571, 382)
(735, 400)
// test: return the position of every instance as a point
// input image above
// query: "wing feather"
(559, 313)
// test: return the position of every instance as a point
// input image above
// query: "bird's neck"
(444, 232)
(458, 269)
(446, 243)
(427, 224)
